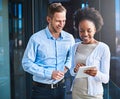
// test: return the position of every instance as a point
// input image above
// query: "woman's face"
(87, 31)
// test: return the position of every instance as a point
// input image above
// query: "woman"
(89, 52)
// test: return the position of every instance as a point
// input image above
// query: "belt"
(50, 86)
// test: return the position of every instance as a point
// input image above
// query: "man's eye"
(89, 31)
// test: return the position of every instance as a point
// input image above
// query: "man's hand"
(57, 75)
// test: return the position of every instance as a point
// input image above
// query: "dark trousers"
(47, 93)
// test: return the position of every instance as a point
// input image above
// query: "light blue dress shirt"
(44, 54)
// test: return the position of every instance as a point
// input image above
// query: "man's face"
(57, 22)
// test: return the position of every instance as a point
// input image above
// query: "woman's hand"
(77, 67)
(91, 71)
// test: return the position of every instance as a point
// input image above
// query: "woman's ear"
(95, 29)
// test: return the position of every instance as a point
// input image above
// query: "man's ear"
(48, 19)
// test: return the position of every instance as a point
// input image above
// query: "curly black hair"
(90, 14)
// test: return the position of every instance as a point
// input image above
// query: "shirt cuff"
(48, 74)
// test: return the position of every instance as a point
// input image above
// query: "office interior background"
(19, 19)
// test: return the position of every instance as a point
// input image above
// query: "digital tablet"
(81, 74)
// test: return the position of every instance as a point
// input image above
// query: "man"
(48, 56)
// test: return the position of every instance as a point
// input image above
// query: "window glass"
(4, 51)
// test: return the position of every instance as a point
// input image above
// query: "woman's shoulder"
(76, 44)
(103, 45)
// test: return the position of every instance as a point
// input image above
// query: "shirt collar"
(49, 35)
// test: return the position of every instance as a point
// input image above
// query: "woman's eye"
(81, 31)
